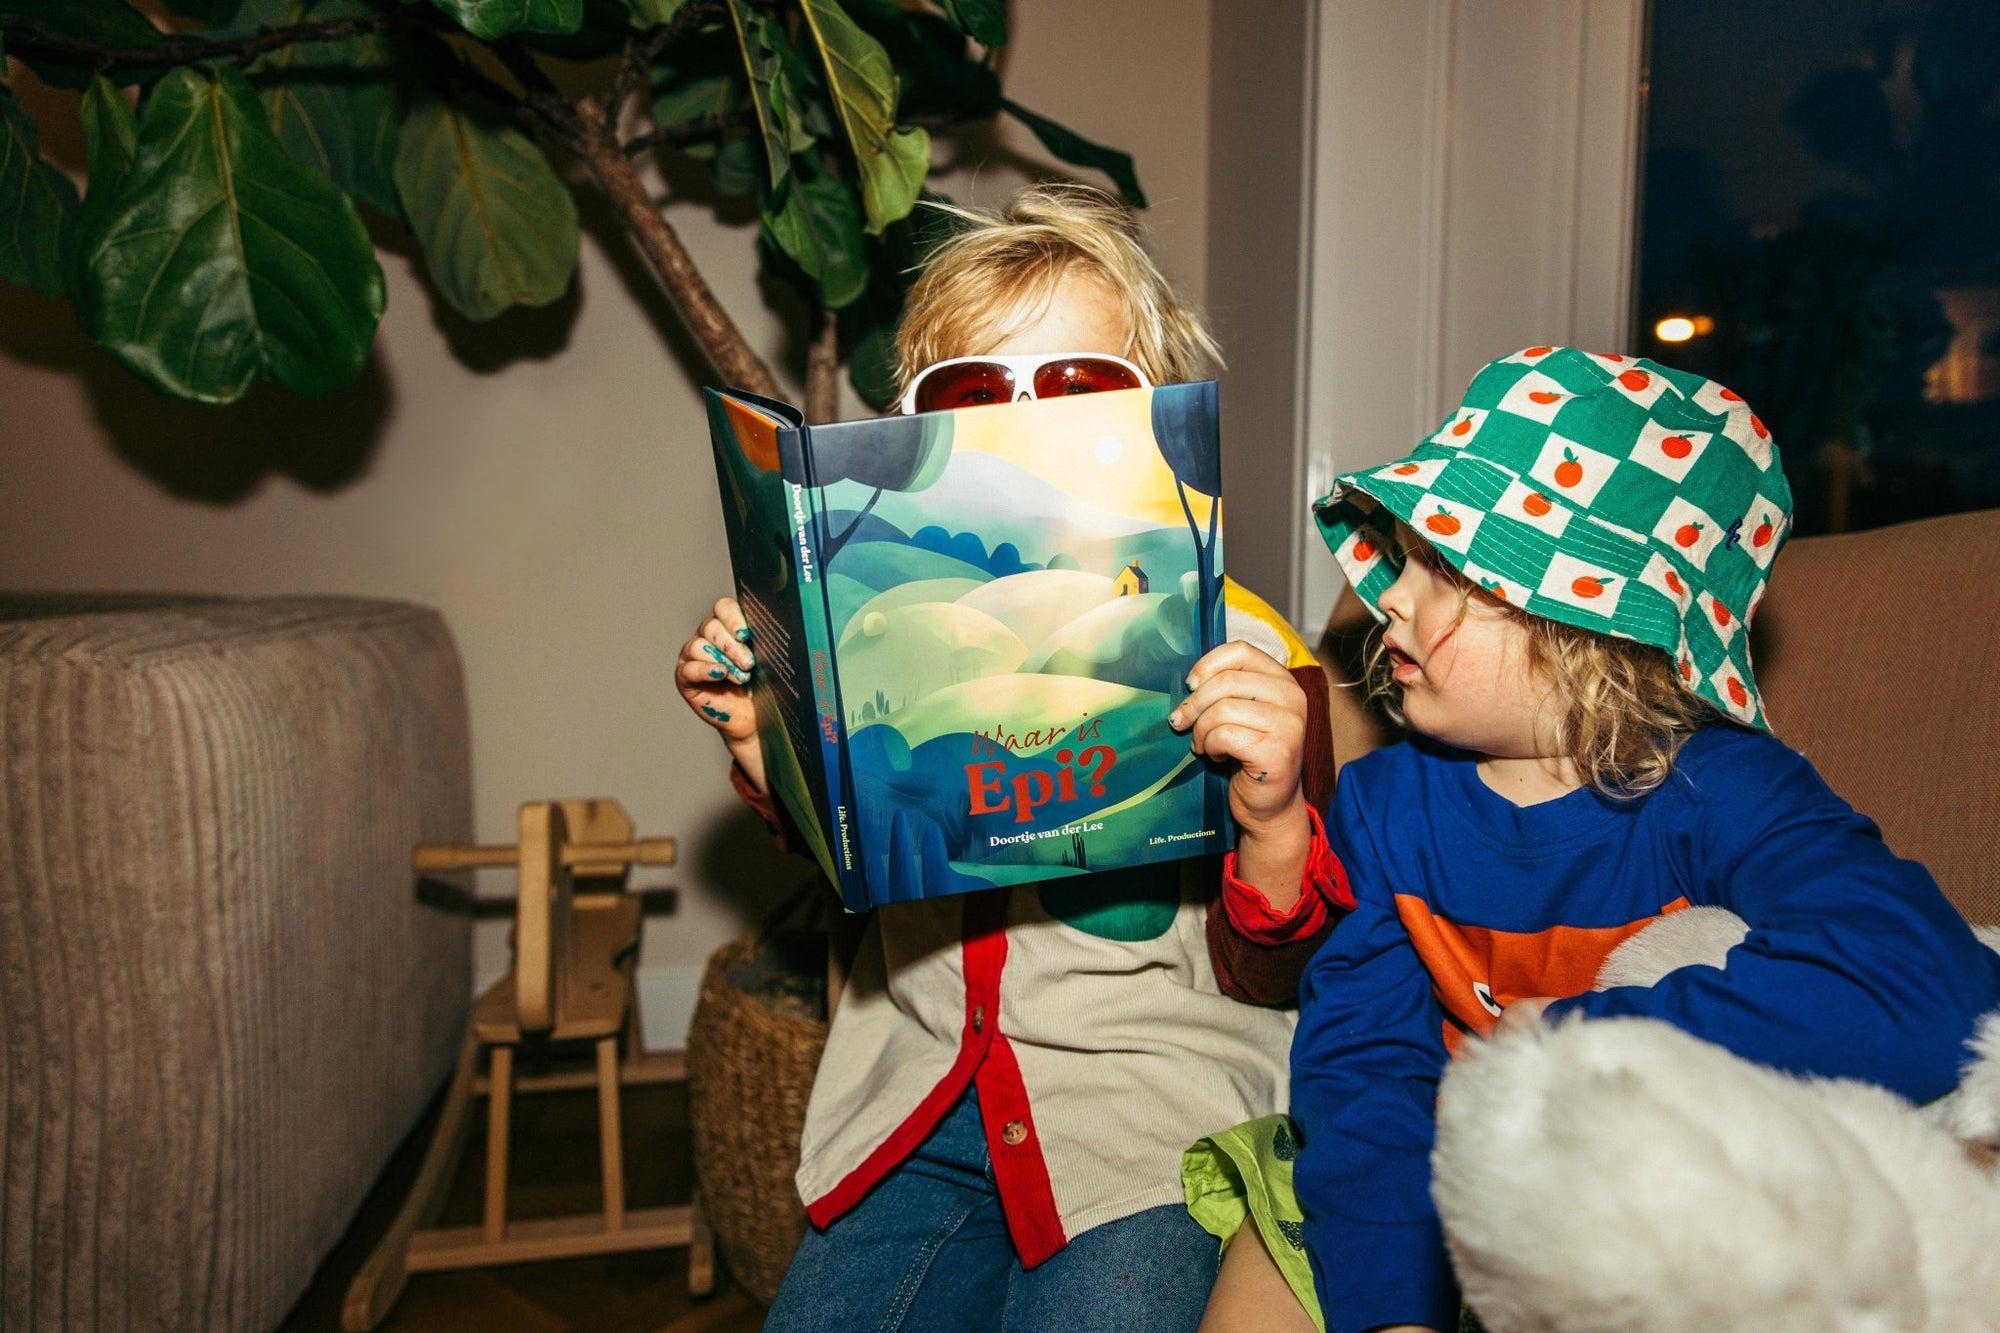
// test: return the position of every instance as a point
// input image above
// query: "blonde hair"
(1621, 713)
(1008, 263)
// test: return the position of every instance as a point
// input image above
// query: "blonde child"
(1565, 573)
(994, 1136)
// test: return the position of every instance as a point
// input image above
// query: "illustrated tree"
(899, 454)
(1186, 424)
(219, 240)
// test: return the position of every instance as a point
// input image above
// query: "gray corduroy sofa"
(222, 1003)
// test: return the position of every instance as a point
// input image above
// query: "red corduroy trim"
(984, 953)
(1026, 1196)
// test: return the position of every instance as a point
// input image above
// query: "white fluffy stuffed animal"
(1622, 1176)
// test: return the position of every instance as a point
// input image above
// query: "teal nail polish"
(715, 713)
(716, 673)
(743, 635)
(716, 653)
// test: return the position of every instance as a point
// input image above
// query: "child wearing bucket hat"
(1565, 573)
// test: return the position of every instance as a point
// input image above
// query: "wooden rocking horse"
(576, 935)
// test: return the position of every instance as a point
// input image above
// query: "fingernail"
(716, 653)
(743, 635)
(739, 675)
(1190, 683)
(1174, 719)
(716, 673)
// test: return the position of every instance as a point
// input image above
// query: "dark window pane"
(1821, 226)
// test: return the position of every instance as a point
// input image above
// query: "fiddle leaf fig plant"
(220, 237)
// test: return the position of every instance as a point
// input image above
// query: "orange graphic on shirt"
(1476, 972)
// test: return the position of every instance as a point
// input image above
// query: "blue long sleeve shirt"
(1855, 966)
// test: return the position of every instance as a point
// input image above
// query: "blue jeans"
(928, 1249)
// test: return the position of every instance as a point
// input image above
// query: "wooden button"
(1015, 1134)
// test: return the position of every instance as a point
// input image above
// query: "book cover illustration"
(970, 627)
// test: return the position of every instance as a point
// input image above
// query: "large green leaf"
(653, 13)
(100, 22)
(1078, 151)
(487, 19)
(940, 76)
(222, 260)
(892, 163)
(868, 326)
(771, 90)
(984, 21)
(738, 167)
(333, 104)
(111, 133)
(681, 96)
(700, 78)
(497, 226)
(37, 203)
(815, 220)
(694, 96)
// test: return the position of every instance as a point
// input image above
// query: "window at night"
(1820, 231)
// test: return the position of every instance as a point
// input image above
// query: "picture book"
(970, 627)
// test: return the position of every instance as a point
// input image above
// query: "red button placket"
(985, 1059)
(1019, 1170)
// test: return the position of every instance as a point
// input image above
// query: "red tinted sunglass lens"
(1082, 374)
(968, 384)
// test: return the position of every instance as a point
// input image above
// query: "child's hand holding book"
(713, 674)
(1244, 707)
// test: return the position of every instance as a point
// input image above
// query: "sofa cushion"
(221, 1002)
(1879, 653)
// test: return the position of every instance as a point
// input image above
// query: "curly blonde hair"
(998, 272)
(1622, 712)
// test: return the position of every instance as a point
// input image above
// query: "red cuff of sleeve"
(1322, 887)
(763, 802)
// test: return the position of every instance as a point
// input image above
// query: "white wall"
(556, 506)
(1473, 180)
(1258, 181)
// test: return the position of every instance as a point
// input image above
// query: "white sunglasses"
(976, 381)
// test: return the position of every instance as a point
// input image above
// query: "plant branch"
(728, 351)
(823, 370)
(27, 41)
(539, 93)
(687, 132)
(642, 52)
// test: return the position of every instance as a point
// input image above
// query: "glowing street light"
(1680, 328)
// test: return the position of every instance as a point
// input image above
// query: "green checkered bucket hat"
(1606, 492)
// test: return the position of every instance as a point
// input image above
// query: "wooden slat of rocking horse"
(575, 942)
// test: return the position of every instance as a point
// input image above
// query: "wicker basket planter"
(753, 1048)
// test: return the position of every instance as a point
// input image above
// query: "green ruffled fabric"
(1245, 1174)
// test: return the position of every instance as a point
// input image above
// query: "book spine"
(810, 537)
